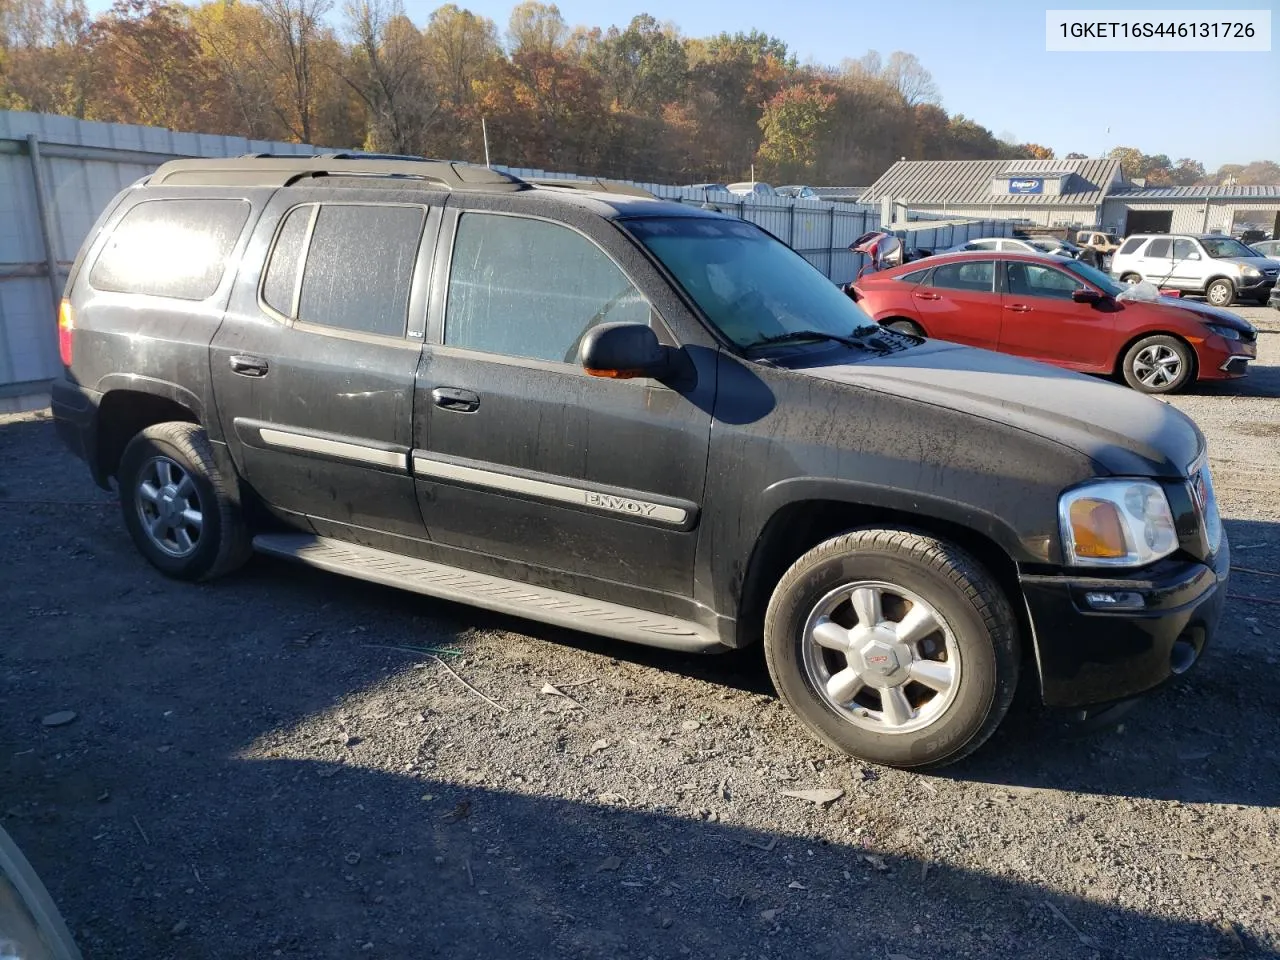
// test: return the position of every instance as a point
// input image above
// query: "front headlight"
(1226, 333)
(1116, 523)
(1251, 272)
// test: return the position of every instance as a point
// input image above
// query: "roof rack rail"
(279, 171)
(593, 185)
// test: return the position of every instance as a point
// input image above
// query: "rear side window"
(528, 288)
(915, 276)
(1130, 245)
(359, 267)
(170, 248)
(975, 276)
(1158, 248)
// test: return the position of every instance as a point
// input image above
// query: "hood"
(1125, 432)
(1205, 312)
(1264, 265)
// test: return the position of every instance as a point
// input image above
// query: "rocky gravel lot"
(286, 763)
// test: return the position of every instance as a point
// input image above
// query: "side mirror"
(621, 351)
(1086, 295)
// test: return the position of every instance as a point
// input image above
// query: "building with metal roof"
(1070, 193)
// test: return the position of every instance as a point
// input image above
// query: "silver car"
(1267, 248)
(1005, 244)
(1220, 267)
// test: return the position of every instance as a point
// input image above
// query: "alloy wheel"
(168, 505)
(1157, 365)
(881, 656)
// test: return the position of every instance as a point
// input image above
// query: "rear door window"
(1158, 248)
(975, 276)
(359, 267)
(171, 248)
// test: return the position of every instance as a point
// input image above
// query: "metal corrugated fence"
(57, 174)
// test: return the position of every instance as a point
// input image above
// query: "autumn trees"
(640, 101)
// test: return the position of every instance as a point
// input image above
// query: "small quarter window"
(286, 259)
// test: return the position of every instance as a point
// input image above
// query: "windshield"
(1096, 277)
(1219, 247)
(748, 284)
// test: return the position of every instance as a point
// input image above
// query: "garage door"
(1148, 221)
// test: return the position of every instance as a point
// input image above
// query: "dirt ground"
(257, 768)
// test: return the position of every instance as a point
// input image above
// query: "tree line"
(642, 102)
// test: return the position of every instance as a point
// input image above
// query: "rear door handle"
(927, 296)
(1017, 307)
(454, 398)
(248, 366)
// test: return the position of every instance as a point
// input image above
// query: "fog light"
(1111, 600)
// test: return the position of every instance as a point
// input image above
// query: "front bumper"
(75, 417)
(1089, 657)
(1255, 288)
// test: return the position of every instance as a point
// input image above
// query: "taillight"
(66, 327)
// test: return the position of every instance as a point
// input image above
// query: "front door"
(313, 369)
(959, 302)
(1041, 321)
(519, 453)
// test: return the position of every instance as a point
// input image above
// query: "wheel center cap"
(170, 505)
(883, 657)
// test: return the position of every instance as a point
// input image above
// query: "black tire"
(222, 541)
(1131, 278)
(1221, 293)
(1158, 342)
(962, 593)
(905, 326)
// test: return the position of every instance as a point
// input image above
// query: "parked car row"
(1063, 312)
(754, 188)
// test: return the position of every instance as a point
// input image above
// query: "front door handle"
(1017, 307)
(454, 398)
(248, 366)
(928, 296)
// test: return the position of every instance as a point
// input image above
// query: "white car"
(1003, 244)
(752, 188)
(1220, 267)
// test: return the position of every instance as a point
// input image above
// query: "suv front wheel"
(1220, 293)
(178, 507)
(893, 646)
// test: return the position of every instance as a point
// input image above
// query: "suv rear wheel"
(178, 507)
(893, 646)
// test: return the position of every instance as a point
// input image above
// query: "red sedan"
(1062, 312)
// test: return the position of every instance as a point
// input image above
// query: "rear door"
(1155, 262)
(522, 456)
(959, 302)
(313, 369)
(1188, 267)
(1041, 321)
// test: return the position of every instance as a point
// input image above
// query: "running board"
(492, 593)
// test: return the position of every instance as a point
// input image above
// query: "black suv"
(638, 419)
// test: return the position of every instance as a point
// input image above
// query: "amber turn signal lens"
(66, 326)
(1097, 530)
(614, 374)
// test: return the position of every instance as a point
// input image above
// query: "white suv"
(1221, 268)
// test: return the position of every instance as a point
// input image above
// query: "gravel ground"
(257, 768)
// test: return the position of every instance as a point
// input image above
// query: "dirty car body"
(680, 465)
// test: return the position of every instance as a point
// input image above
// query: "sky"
(989, 61)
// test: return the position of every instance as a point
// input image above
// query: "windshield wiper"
(797, 335)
